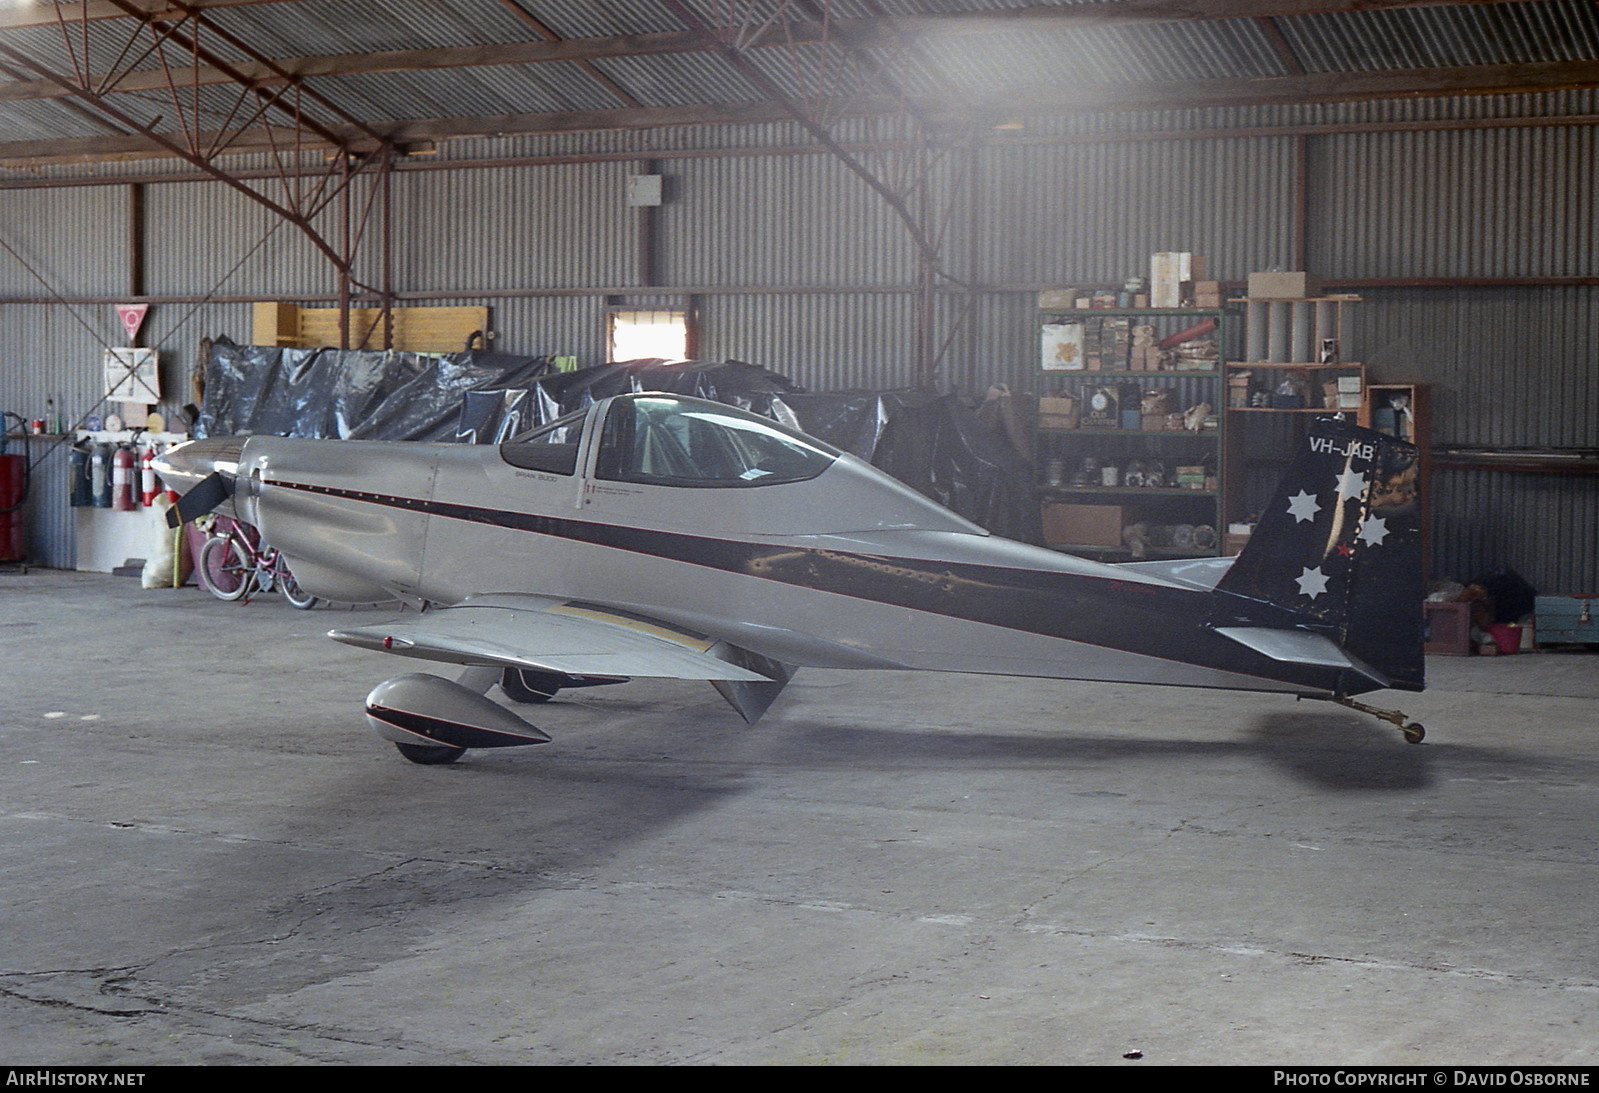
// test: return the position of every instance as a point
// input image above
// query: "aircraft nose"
(183, 466)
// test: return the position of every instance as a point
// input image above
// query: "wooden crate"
(416, 329)
(1447, 627)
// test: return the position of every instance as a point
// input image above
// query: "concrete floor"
(207, 858)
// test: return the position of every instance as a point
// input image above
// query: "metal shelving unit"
(1091, 475)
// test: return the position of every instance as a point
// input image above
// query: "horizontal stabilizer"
(1298, 647)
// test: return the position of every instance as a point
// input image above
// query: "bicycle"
(233, 566)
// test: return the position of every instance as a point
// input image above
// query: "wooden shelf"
(1345, 299)
(1294, 410)
(1153, 311)
(1234, 366)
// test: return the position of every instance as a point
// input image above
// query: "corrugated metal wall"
(1507, 366)
(795, 264)
(1478, 203)
(1096, 212)
(557, 227)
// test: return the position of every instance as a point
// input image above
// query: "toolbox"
(1563, 619)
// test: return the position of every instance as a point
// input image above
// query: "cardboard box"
(1166, 275)
(1061, 347)
(1283, 286)
(1083, 525)
(1057, 299)
(1057, 412)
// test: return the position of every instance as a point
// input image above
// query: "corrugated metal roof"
(308, 28)
(1020, 57)
(1446, 37)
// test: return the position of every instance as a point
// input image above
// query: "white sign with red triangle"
(132, 316)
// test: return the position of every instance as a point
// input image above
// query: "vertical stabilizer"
(1338, 551)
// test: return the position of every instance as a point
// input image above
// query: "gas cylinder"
(13, 491)
(122, 479)
(100, 475)
(82, 492)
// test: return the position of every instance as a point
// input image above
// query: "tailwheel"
(1413, 731)
(429, 755)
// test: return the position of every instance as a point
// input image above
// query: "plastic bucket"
(1507, 636)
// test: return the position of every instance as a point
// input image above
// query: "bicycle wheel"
(223, 569)
(298, 598)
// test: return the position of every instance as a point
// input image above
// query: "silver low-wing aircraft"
(655, 535)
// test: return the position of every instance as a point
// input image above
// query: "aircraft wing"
(550, 635)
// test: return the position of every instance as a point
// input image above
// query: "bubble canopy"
(673, 440)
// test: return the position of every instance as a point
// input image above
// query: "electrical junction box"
(643, 190)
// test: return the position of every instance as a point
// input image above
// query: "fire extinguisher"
(122, 479)
(147, 486)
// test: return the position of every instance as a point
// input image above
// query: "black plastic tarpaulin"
(350, 394)
(933, 443)
(488, 416)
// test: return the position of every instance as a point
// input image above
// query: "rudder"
(1339, 550)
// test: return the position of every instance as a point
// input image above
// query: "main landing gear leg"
(1413, 731)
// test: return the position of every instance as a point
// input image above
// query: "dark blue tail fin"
(1339, 551)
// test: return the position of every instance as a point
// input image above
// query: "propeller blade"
(206, 495)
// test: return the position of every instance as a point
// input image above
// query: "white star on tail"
(1351, 484)
(1312, 582)
(1302, 506)
(1373, 530)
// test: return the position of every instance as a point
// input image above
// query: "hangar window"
(673, 441)
(636, 334)
(551, 447)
